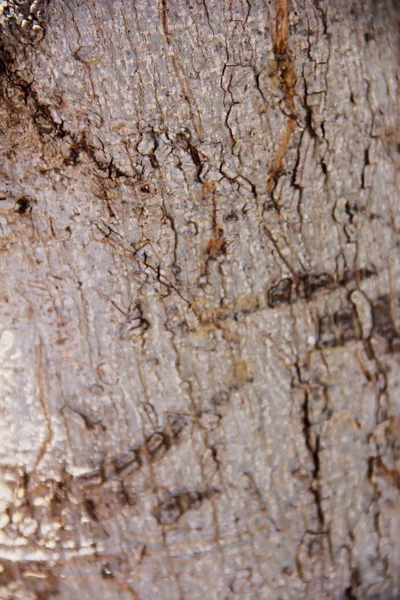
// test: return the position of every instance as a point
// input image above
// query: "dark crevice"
(314, 449)
(90, 508)
(366, 164)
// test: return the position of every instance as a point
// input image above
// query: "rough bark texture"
(200, 282)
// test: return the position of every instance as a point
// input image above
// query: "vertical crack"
(287, 81)
(313, 446)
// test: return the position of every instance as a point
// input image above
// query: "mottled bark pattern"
(200, 283)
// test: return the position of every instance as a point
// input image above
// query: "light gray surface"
(199, 300)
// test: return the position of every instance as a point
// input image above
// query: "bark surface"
(200, 316)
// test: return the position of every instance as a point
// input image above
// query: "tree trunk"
(200, 316)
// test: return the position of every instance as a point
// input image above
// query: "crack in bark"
(287, 80)
(313, 446)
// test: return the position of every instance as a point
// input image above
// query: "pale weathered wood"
(199, 309)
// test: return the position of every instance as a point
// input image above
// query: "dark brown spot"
(346, 325)
(90, 508)
(232, 216)
(314, 282)
(383, 325)
(280, 294)
(217, 245)
(106, 571)
(23, 205)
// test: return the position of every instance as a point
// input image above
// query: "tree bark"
(200, 283)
